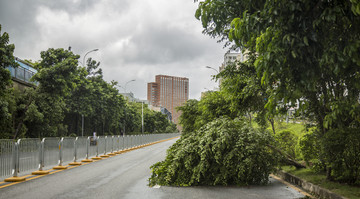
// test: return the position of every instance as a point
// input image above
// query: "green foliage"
(355, 7)
(189, 116)
(306, 52)
(243, 89)
(309, 146)
(214, 105)
(319, 178)
(195, 113)
(223, 152)
(6, 59)
(287, 141)
(67, 93)
(342, 152)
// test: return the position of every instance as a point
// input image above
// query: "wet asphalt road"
(126, 176)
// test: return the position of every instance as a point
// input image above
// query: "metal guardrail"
(22, 74)
(26, 155)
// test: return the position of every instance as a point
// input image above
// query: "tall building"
(168, 92)
(231, 57)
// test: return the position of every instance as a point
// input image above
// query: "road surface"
(126, 176)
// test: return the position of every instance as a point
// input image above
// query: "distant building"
(163, 110)
(169, 92)
(152, 93)
(131, 98)
(231, 57)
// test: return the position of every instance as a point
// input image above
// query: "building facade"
(231, 57)
(169, 92)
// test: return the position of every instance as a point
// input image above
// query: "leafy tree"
(195, 113)
(223, 152)
(133, 117)
(306, 51)
(78, 103)
(56, 73)
(161, 122)
(214, 105)
(287, 141)
(190, 114)
(242, 87)
(6, 59)
(65, 93)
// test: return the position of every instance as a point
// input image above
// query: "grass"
(352, 192)
(298, 129)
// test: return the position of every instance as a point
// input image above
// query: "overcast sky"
(137, 39)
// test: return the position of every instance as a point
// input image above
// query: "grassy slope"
(312, 176)
(298, 129)
(309, 175)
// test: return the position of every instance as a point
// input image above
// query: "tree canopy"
(306, 54)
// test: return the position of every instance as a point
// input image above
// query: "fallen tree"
(223, 152)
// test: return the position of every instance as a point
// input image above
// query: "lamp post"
(127, 83)
(82, 115)
(83, 63)
(125, 107)
(212, 68)
(142, 117)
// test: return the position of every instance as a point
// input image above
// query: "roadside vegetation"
(302, 56)
(67, 92)
(319, 178)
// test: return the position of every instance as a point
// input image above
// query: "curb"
(307, 186)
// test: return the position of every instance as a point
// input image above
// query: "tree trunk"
(250, 118)
(21, 122)
(271, 120)
(287, 158)
(328, 173)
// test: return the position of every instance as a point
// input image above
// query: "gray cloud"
(160, 43)
(137, 39)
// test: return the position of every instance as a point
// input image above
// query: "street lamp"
(212, 68)
(88, 53)
(127, 83)
(82, 115)
(142, 118)
(125, 107)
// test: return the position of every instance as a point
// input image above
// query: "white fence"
(30, 154)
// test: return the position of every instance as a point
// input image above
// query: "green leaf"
(306, 41)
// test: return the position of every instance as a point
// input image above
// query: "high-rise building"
(169, 92)
(230, 57)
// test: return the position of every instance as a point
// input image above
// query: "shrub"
(342, 151)
(310, 147)
(220, 153)
(287, 141)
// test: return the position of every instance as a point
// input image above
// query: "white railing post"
(87, 151)
(41, 160)
(60, 166)
(97, 139)
(104, 155)
(16, 159)
(16, 167)
(75, 163)
(112, 147)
